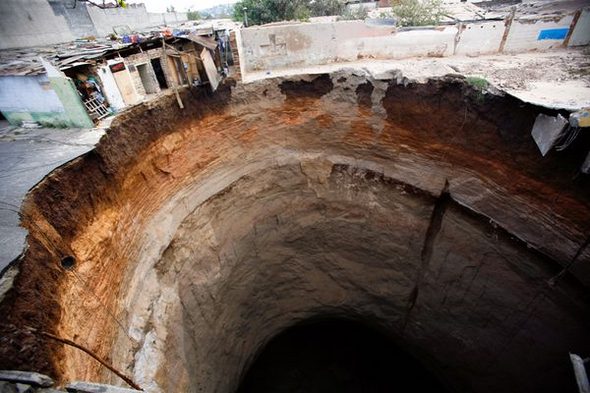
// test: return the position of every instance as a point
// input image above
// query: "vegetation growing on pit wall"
(418, 12)
(477, 82)
(266, 11)
(480, 86)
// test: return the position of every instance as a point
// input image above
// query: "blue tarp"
(553, 34)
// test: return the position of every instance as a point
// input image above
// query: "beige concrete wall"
(26, 23)
(581, 34)
(480, 38)
(265, 48)
(524, 34)
(294, 45)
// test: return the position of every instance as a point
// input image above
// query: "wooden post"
(174, 86)
(508, 25)
(570, 32)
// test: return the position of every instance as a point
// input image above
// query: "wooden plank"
(508, 25)
(210, 69)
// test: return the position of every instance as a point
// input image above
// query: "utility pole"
(245, 16)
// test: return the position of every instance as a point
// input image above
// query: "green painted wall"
(57, 104)
(73, 105)
(46, 119)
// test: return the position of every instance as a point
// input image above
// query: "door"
(124, 82)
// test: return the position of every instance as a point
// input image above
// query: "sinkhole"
(335, 356)
(337, 232)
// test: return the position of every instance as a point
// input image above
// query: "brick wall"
(133, 61)
(237, 74)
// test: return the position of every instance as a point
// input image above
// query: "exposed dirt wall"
(199, 234)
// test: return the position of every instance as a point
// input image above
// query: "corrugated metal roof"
(207, 42)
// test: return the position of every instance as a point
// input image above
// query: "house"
(77, 84)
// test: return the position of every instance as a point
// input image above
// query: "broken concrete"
(423, 209)
(30, 378)
(547, 130)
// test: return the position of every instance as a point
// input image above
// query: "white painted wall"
(110, 88)
(524, 34)
(581, 34)
(480, 38)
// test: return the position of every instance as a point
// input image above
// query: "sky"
(179, 5)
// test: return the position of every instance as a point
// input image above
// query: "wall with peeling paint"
(307, 44)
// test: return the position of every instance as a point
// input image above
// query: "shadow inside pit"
(335, 356)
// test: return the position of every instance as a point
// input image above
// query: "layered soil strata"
(198, 235)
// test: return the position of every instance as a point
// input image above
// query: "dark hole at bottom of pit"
(336, 356)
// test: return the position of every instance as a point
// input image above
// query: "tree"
(193, 15)
(326, 7)
(102, 5)
(354, 13)
(418, 12)
(170, 9)
(267, 11)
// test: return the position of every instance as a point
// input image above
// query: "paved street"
(26, 156)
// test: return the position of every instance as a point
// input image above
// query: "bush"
(477, 82)
(417, 12)
(353, 14)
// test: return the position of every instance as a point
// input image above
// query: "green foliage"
(353, 14)
(418, 12)
(302, 13)
(480, 86)
(193, 15)
(326, 7)
(477, 82)
(268, 11)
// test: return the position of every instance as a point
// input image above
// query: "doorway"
(149, 84)
(161, 78)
